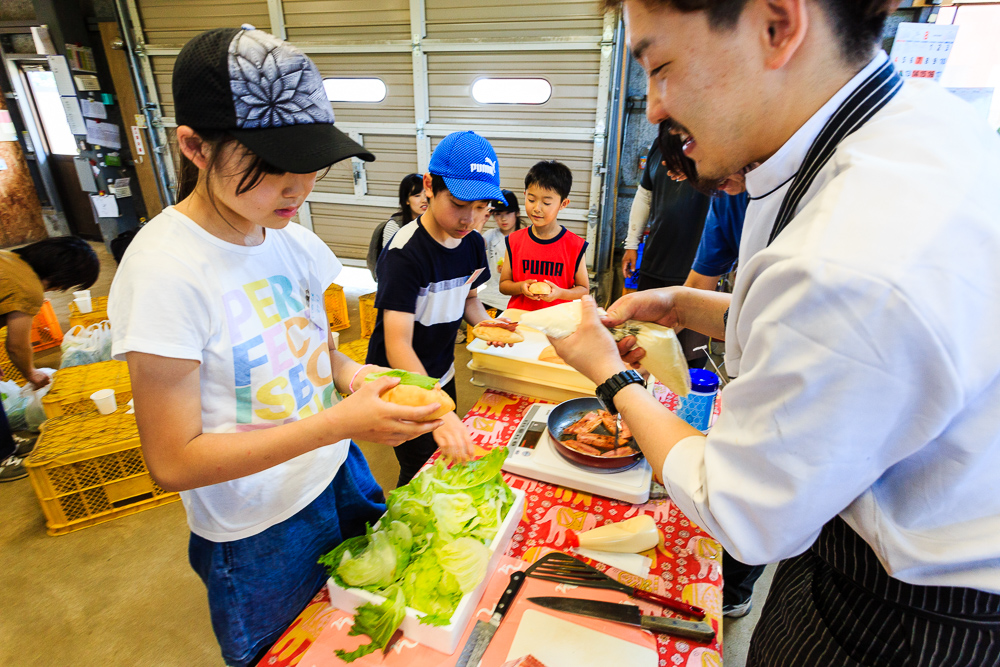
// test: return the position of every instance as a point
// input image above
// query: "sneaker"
(738, 610)
(12, 468)
(24, 445)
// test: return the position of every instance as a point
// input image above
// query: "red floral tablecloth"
(686, 565)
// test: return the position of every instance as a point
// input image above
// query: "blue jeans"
(258, 585)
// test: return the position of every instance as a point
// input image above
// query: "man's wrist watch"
(607, 390)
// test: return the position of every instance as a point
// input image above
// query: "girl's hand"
(358, 380)
(453, 438)
(365, 416)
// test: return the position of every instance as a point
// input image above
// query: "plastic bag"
(23, 405)
(664, 355)
(86, 346)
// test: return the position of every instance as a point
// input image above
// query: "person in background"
(64, 263)
(218, 309)
(507, 213)
(412, 203)
(545, 252)
(675, 213)
(428, 278)
(859, 443)
(720, 239)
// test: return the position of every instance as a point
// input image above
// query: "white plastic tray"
(443, 638)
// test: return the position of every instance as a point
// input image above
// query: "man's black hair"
(550, 175)
(65, 263)
(857, 24)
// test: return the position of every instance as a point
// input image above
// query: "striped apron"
(835, 605)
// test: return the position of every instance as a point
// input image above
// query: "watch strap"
(608, 389)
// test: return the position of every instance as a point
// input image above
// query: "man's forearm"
(704, 311)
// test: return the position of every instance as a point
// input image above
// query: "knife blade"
(392, 641)
(629, 615)
(483, 632)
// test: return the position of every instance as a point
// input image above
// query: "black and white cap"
(263, 91)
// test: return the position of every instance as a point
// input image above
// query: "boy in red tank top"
(544, 263)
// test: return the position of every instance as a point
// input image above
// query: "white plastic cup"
(83, 292)
(84, 303)
(105, 401)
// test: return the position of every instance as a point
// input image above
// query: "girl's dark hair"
(509, 204)
(412, 184)
(857, 23)
(65, 263)
(254, 168)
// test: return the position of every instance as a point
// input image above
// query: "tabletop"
(686, 565)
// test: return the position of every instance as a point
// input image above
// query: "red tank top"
(555, 260)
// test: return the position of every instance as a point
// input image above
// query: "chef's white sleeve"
(638, 216)
(841, 378)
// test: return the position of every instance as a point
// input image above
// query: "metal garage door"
(428, 53)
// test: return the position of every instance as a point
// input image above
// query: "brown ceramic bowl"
(568, 413)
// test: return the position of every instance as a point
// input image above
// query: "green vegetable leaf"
(378, 621)
(405, 377)
(437, 620)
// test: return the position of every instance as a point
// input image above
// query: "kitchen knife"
(629, 615)
(481, 635)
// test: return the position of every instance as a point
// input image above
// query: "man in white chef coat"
(860, 441)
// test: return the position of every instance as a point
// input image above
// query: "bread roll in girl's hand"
(415, 390)
(540, 288)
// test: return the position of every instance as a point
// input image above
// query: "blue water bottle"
(697, 407)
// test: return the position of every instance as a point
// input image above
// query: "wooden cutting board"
(560, 643)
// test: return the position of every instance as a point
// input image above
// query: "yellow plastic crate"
(366, 307)
(98, 314)
(87, 468)
(72, 387)
(336, 307)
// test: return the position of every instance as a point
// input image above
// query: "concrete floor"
(122, 593)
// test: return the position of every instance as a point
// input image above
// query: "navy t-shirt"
(678, 215)
(720, 240)
(418, 275)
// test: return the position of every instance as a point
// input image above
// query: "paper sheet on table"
(103, 134)
(105, 205)
(636, 564)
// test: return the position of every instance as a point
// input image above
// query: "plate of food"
(583, 432)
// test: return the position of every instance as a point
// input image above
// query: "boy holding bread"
(428, 276)
(544, 263)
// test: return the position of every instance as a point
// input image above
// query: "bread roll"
(410, 395)
(540, 288)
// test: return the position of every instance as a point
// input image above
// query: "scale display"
(533, 455)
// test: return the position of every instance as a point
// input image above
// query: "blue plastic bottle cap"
(704, 381)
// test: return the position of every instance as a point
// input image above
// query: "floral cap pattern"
(274, 84)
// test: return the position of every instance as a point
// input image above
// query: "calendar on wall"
(921, 50)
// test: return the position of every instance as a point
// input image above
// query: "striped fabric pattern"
(836, 605)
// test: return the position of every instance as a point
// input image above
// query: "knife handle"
(509, 594)
(699, 630)
(669, 603)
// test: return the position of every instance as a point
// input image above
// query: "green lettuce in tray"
(427, 551)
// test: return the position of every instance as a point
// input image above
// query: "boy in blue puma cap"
(428, 276)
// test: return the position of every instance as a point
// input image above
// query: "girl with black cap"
(507, 213)
(218, 309)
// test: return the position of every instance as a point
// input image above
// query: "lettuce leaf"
(405, 377)
(378, 622)
(429, 549)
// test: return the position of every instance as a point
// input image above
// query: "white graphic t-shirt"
(255, 319)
